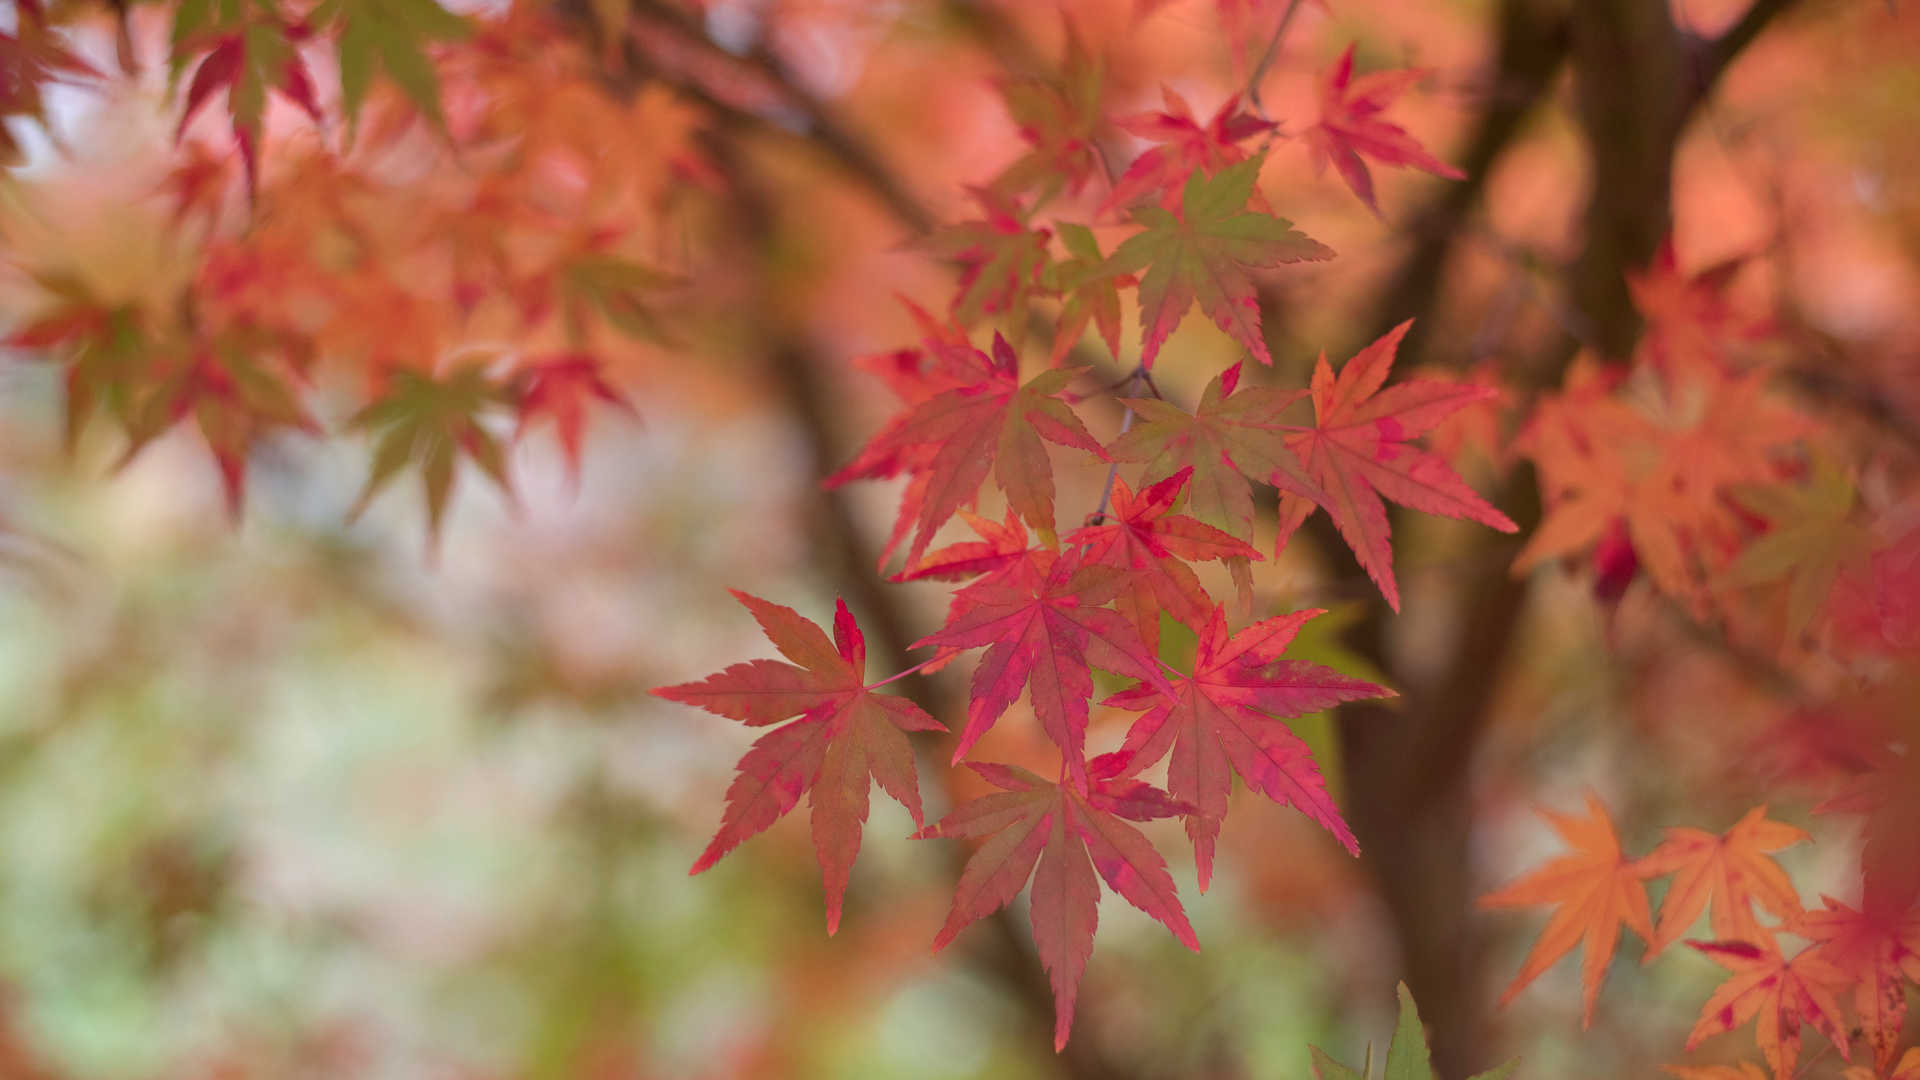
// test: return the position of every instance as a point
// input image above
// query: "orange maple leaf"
(1782, 993)
(1597, 888)
(1663, 469)
(1733, 869)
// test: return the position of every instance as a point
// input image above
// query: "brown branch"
(820, 128)
(1533, 41)
(1259, 72)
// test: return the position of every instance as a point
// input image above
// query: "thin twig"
(1137, 375)
(1266, 60)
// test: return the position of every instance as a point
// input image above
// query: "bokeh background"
(292, 797)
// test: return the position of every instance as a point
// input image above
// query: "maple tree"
(452, 233)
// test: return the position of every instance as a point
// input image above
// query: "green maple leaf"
(621, 290)
(1811, 536)
(1233, 438)
(433, 421)
(390, 36)
(1089, 294)
(1203, 254)
(1407, 1055)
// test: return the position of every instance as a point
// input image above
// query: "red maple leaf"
(560, 386)
(999, 546)
(235, 393)
(1047, 629)
(952, 440)
(1062, 835)
(1186, 147)
(1150, 544)
(1873, 948)
(1226, 718)
(246, 60)
(1060, 119)
(1782, 993)
(845, 735)
(1001, 259)
(1357, 451)
(30, 57)
(1350, 126)
(915, 374)
(101, 344)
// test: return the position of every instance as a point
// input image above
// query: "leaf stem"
(1266, 60)
(1140, 375)
(896, 677)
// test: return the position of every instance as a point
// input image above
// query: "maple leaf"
(198, 184)
(234, 396)
(1233, 436)
(1666, 478)
(1689, 318)
(1732, 869)
(390, 34)
(102, 345)
(1186, 148)
(1149, 543)
(1061, 835)
(1597, 889)
(1226, 718)
(999, 546)
(1001, 259)
(1782, 993)
(1357, 451)
(1046, 629)
(30, 57)
(621, 290)
(1873, 948)
(1203, 253)
(943, 361)
(1091, 294)
(1810, 538)
(845, 736)
(248, 52)
(1873, 604)
(1350, 126)
(432, 421)
(1887, 792)
(952, 440)
(1060, 120)
(560, 386)
(1408, 1057)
